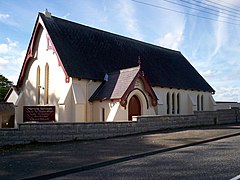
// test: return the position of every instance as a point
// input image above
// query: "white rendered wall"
(188, 100)
(71, 99)
(115, 112)
(58, 88)
(12, 97)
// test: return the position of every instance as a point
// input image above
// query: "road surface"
(215, 160)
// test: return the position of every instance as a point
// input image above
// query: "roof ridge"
(129, 69)
(124, 70)
(115, 34)
(105, 52)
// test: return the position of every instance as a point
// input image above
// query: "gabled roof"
(90, 53)
(119, 84)
(116, 84)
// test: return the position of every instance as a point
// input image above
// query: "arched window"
(198, 102)
(178, 104)
(168, 103)
(173, 103)
(38, 85)
(202, 102)
(46, 88)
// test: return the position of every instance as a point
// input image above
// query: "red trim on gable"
(50, 46)
(29, 55)
(49, 43)
(147, 87)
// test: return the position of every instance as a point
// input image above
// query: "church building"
(76, 73)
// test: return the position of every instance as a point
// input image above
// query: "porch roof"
(115, 84)
(119, 84)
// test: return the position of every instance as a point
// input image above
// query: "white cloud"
(171, 40)
(7, 47)
(3, 64)
(220, 29)
(21, 57)
(12, 43)
(3, 48)
(66, 16)
(11, 59)
(127, 15)
(208, 73)
(169, 26)
(4, 16)
(16, 64)
(230, 3)
(3, 61)
(8, 20)
(227, 94)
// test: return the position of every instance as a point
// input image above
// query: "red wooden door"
(134, 107)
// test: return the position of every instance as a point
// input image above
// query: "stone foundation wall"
(59, 132)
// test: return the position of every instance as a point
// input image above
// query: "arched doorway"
(134, 107)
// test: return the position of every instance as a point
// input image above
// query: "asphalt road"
(45, 161)
(215, 160)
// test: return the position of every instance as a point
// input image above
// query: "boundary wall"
(60, 132)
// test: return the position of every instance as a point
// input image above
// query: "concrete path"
(34, 160)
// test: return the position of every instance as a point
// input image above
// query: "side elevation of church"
(75, 73)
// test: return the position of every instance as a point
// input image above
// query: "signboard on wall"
(39, 113)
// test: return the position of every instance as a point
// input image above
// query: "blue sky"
(212, 47)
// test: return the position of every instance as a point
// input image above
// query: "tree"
(5, 85)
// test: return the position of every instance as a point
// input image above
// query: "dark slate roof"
(7, 108)
(115, 85)
(90, 53)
